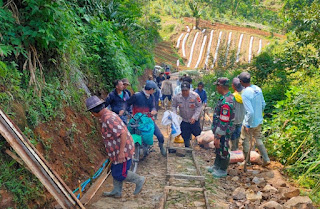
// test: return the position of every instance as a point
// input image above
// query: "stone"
(287, 193)
(269, 188)
(251, 196)
(179, 205)
(283, 185)
(253, 172)
(221, 205)
(239, 193)
(271, 205)
(199, 204)
(233, 172)
(266, 175)
(236, 178)
(298, 202)
(258, 181)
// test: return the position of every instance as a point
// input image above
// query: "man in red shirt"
(119, 146)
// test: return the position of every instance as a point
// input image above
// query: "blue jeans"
(235, 137)
(237, 132)
(158, 134)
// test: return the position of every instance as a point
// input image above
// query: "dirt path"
(253, 189)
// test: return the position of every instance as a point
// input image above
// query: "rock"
(199, 204)
(233, 172)
(266, 175)
(299, 202)
(271, 205)
(221, 205)
(253, 172)
(236, 178)
(269, 188)
(283, 185)
(179, 205)
(258, 181)
(251, 196)
(239, 194)
(287, 193)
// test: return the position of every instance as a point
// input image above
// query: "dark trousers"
(222, 154)
(187, 129)
(119, 171)
(164, 97)
(158, 134)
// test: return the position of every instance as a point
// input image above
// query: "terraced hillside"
(205, 47)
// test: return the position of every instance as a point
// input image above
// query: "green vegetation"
(288, 74)
(49, 49)
(260, 14)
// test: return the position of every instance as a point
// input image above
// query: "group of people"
(237, 115)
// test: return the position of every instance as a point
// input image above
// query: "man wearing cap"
(117, 100)
(144, 102)
(254, 105)
(126, 83)
(189, 104)
(239, 113)
(222, 127)
(119, 146)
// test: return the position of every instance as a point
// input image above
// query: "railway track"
(183, 178)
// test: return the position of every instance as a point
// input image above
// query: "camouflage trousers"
(223, 150)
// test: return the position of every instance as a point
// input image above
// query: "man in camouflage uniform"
(222, 127)
(189, 104)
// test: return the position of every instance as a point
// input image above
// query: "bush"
(294, 130)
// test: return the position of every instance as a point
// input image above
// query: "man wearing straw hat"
(119, 146)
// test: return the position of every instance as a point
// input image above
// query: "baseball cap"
(93, 102)
(244, 77)
(185, 85)
(237, 84)
(125, 81)
(150, 85)
(223, 81)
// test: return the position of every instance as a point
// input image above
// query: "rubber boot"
(138, 180)
(117, 189)
(162, 150)
(215, 166)
(222, 172)
(264, 155)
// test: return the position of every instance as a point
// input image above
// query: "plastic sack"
(174, 120)
(237, 156)
(205, 137)
(146, 127)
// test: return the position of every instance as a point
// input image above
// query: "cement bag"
(237, 156)
(205, 137)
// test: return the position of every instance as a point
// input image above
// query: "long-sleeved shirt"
(189, 107)
(116, 102)
(141, 102)
(223, 116)
(254, 105)
(202, 94)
